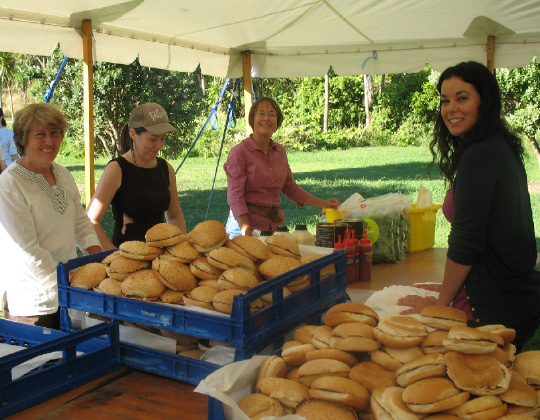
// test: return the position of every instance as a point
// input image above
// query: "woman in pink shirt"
(257, 171)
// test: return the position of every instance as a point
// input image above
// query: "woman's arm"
(108, 185)
(174, 214)
(454, 276)
(314, 201)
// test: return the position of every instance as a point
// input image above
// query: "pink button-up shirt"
(256, 178)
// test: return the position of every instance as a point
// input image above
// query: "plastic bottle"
(350, 251)
(265, 234)
(302, 236)
(365, 257)
(282, 230)
(356, 255)
(322, 219)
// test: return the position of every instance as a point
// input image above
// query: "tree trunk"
(326, 100)
(10, 101)
(381, 87)
(368, 97)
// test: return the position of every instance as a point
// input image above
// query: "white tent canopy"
(287, 38)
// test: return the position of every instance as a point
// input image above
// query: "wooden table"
(131, 394)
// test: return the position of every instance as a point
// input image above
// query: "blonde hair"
(44, 113)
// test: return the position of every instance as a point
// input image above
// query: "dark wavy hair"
(125, 141)
(447, 149)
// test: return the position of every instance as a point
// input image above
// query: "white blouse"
(40, 226)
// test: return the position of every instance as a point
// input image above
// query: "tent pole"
(248, 86)
(88, 109)
(490, 47)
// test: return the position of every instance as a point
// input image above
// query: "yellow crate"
(422, 233)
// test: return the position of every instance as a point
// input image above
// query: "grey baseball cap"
(152, 117)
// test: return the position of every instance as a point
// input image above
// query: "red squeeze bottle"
(350, 251)
(340, 246)
(365, 257)
(357, 257)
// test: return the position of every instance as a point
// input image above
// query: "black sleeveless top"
(143, 196)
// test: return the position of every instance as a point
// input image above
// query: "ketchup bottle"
(350, 251)
(357, 256)
(365, 257)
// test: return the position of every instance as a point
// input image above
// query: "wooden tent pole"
(248, 91)
(88, 110)
(490, 48)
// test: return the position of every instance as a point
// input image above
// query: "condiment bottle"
(322, 219)
(282, 230)
(302, 236)
(365, 257)
(265, 234)
(356, 256)
(350, 251)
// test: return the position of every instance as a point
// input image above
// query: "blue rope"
(366, 60)
(212, 113)
(50, 91)
(230, 118)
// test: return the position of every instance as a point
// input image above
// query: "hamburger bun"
(315, 409)
(257, 406)
(89, 276)
(294, 353)
(269, 297)
(371, 376)
(201, 296)
(238, 278)
(433, 394)
(481, 408)
(121, 267)
(184, 251)
(519, 392)
(109, 258)
(172, 296)
(378, 410)
(471, 340)
(340, 390)
(289, 393)
(272, 367)
(208, 235)
(202, 269)
(249, 246)
(321, 336)
(392, 359)
(354, 337)
(139, 250)
(505, 355)
(400, 331)
(164, 234)
(335, 354)
(142, 284)
(276, 266)
(426, 366)
(223, 299)
(110, 287)
(174, 275)
(350, 312)
(433, 342)
(226, 258)
(303, 333)
(283, 245)
(528, 364)
(516, 417)
(316, 368)
(507, 334)
(443, 317)
(477, 373)
(391, 400)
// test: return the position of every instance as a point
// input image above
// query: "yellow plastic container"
(422, 233)
(332, 214)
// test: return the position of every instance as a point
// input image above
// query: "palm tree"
(8, 68)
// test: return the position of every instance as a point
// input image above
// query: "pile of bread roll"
(202, 268)
(356, 366)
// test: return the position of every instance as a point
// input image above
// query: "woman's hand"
(332, 202)
(416, 303)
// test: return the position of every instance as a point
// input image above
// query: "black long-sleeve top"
(493, 232)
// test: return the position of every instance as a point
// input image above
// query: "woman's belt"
(272, 214)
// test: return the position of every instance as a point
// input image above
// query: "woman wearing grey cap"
(139, 186)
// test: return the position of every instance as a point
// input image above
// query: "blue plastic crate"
(248, 332)
(86, 355)
(242, 328)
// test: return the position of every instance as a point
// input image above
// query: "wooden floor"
(131, 395)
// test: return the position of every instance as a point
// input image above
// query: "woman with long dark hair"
(490, 269)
